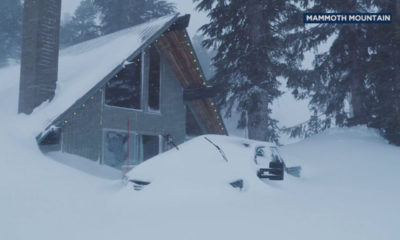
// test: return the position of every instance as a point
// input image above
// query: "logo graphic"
(347, 17)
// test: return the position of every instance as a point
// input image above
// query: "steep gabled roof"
(136, 40)
(85, 68)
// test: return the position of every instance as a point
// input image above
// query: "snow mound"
(198, 163)
(348, 190)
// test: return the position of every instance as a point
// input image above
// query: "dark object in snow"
(276, 156)
(274, 172)
(294, 171)
(237, 184)
(277, 166)
(219, 149)
(246, 144)
(138, 184)
(259, 153)
(169, 140)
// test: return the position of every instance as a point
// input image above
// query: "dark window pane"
(124, 90)
(192, 127)
(52, 138)
(154, 80)
(150, 146)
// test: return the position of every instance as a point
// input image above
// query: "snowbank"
(198, 164)
(348, 191)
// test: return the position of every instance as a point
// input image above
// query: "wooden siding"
(181, 58)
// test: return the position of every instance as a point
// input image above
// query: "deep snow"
(348, 191)
(348, 188)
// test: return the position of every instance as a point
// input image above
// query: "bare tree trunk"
(257, 122)
(357, 99)
(356, 84)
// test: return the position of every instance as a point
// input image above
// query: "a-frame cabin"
(127, 96)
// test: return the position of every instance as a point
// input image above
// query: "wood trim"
(179, 54)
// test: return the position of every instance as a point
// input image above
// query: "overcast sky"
(183, 6)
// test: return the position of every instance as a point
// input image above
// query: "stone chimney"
(39, 60)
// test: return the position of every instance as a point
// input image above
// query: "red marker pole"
(127, 149)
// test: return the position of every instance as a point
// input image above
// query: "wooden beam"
(179, 54)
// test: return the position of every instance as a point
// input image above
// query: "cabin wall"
(169, 120)
(82, 135)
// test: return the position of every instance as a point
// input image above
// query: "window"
(192, 127)
(122, 149)
(117, 149)
(151, 146)
(124, 89)
(53, 137)
(154, 80)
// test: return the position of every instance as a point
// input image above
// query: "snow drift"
(348, 191)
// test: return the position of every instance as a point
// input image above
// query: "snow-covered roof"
(83, 66)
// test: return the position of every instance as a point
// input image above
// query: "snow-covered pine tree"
(383, 73)
(353, 71)
(117, 15)
(249, 49)
(11, 14)
(82, 26)
(308, 128)
(338, 73)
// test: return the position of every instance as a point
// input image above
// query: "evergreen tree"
(126, 13)
(359, 68)
(82, 26)
(308, 128)
(11, 12)
(383, 74)
(246, 36)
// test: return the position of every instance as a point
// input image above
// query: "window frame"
(142, 85)
(103, 144)
(138, 145)
(147, 106)
(160, 144)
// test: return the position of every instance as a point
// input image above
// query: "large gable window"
(154, 80)
(124, 89)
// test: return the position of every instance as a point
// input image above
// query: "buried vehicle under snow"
(212, 161)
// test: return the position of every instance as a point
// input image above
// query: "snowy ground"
(348, 191)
